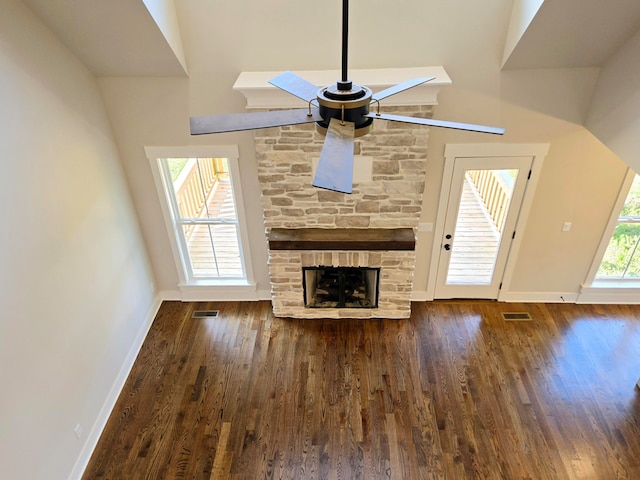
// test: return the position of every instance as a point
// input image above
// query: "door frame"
(536, 151)
(462, 165)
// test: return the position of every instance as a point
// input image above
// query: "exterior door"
(482, 210)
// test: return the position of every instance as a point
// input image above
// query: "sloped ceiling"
(120, 37)
(113, 38)
(575, 33)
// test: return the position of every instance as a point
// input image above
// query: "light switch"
(566, 226)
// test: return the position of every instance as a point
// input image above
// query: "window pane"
(201, 187)
(214, 250)
(221, 204)
(484, 203)
(176, 165)
(622, 260)
(632, 203)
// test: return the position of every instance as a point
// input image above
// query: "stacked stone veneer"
(391, 199)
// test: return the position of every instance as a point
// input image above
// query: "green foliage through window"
(622, 257)
(175, 167)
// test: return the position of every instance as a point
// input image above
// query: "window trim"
(614, 283)
(197, 288)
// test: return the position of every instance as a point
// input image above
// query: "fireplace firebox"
(340, 287)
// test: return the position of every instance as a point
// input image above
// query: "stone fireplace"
(373, 227)
(390, 251)
(386, 200)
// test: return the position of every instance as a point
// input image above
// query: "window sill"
(611, 291)
(615, 283)
(219, 290)
(218, 282)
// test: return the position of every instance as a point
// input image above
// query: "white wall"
(614, 116)
(579, 183)
(75, 285)
(155, 112)
(545, 106)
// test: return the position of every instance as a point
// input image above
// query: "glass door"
(483, 206)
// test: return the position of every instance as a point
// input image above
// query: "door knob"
(448, 236)
(447, 246)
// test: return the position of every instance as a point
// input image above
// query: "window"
(203, 212)
(621, 259)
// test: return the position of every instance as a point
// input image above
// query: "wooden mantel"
(341, 239)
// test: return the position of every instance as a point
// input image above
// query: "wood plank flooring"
(454, 392)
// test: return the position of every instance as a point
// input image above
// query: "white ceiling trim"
(262, 95)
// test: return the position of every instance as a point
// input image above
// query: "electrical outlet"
(78, 431)
(566, 226)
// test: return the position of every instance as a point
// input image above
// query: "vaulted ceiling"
(126, 37)
(575, 33)
(117, 38)
(585, 53)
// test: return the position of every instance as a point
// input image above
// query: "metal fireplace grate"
(340, 287)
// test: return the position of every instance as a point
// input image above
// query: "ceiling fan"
(340, 111)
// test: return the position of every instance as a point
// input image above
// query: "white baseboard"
(170, 295)
(264, 294)
(599, 294)
(216, 293)
(629, 296)
(114, 393)
(514, 297)
(420, 296)
(538, 297)
(622, 296)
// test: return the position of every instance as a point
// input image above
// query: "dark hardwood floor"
(454, 392)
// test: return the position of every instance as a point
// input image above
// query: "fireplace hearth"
(340, 287)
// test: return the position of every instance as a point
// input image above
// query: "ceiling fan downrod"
(345, 101)
(344, 83)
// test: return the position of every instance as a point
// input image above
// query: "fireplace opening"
(340, 287)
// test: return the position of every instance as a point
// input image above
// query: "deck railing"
(495, 192)
(193, 186)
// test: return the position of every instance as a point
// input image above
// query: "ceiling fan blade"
(335, 168)
(438, 123)
(295, 85)
(401, 87)
(234, 122)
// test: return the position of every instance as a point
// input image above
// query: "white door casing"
(527, 157)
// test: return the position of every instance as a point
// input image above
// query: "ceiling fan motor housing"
(346, 105)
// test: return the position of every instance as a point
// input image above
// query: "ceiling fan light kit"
(341, 112)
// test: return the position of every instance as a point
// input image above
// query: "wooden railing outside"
(193, 186)
(495, 193)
